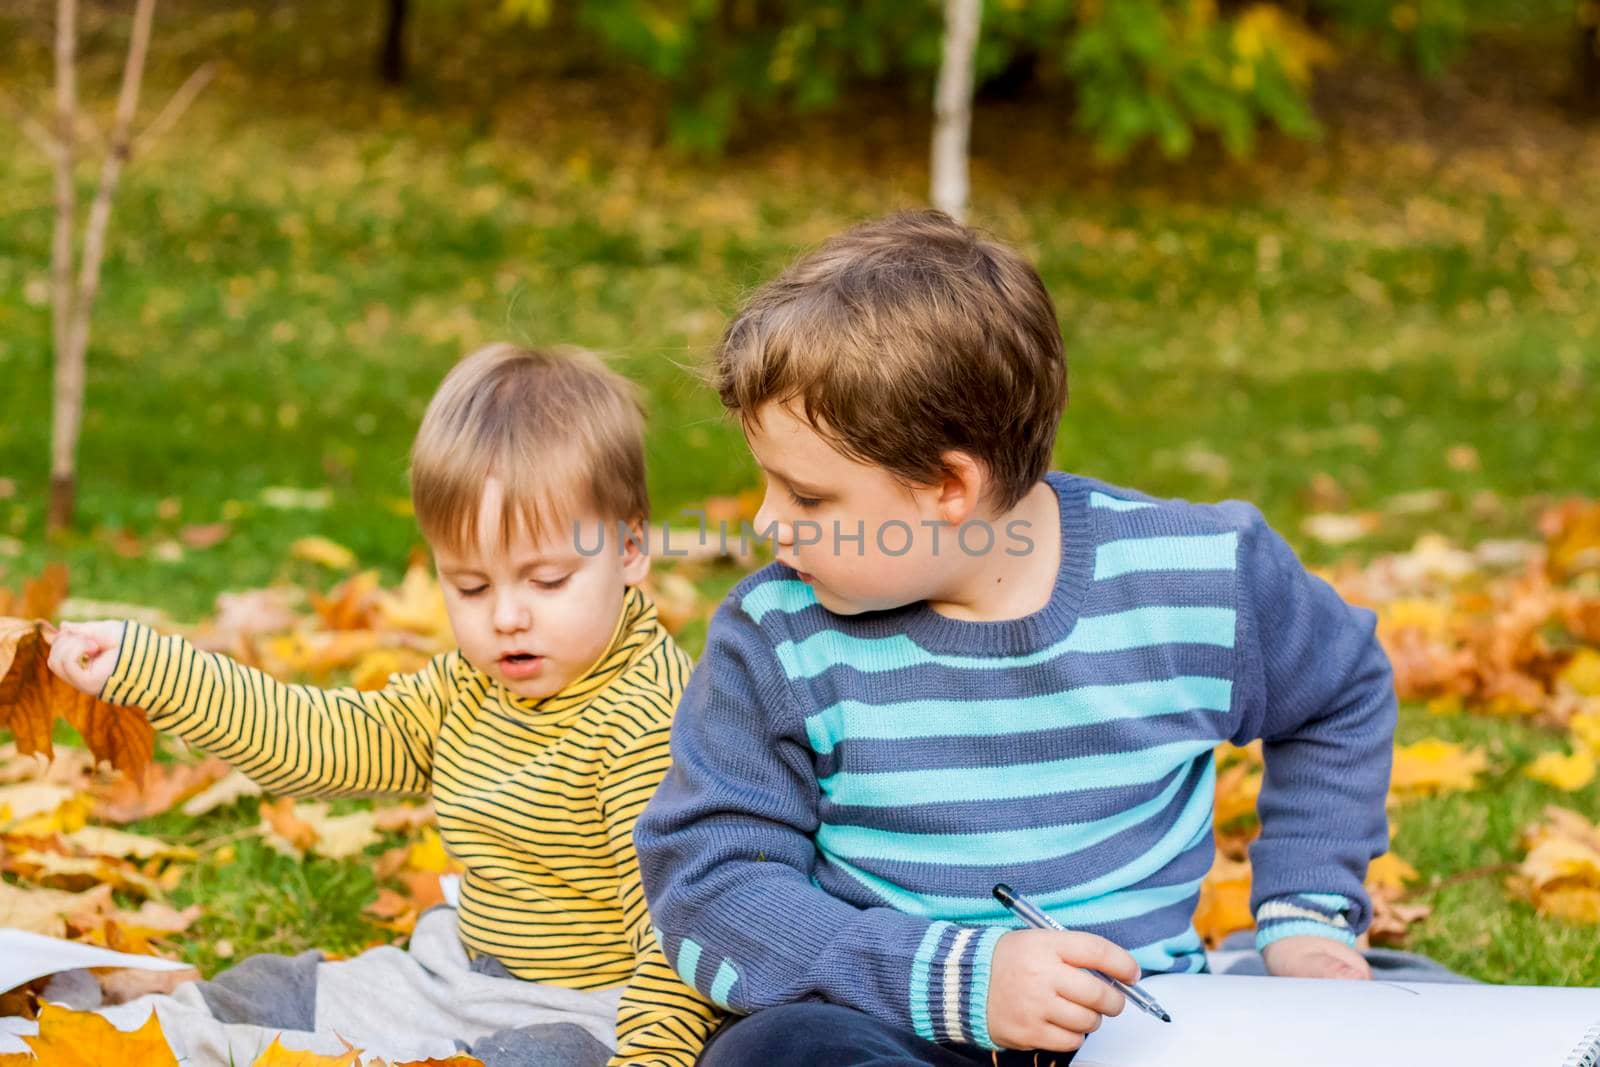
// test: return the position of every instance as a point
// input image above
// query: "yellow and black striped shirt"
(537, 799)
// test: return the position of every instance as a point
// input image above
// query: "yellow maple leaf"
(278, 1056)
(1389, 873)
(321, 550)
(1567, 772)
(1433, 766)
(1582, 672)
(1561, 873)
(417, 605)
(1224, 904)
(84, 1039)
(1585, 728)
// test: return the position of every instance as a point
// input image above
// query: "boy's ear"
(961, 489)
(635, 560)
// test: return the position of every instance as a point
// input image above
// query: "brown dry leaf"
(103, 841)
(278, 1056)
(118, 985)
(1572, 530)
(400, 818)
(1388, 874)
(162, 785)
(72, 767)
(143, 930)
(1335, 529)
(78, 872)
(1561, 873)
(31, 698)
(1392, 919)
(416, 605)
(350, 605)
(48, 911)
(676, 598)
(40, 597)
(1434, 766)
(295, 830)
(1224, 901)
(205, 535)
(235, 786)
(84, 1039)
(285, 830)
(242, 617)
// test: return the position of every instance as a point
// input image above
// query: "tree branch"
(31, 128)
(177, 105)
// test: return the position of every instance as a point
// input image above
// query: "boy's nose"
(782, 532)
(510, 615)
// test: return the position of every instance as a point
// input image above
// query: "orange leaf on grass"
(1433, 765)
(1224, 901)
(31, 698)
(161, 787)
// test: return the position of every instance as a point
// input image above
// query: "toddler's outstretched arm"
(292, 739)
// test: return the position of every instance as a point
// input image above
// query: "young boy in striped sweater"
(539, 740)
(966, 669)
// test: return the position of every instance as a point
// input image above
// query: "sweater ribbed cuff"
(144, 669)
(949, 994)
(1304, 914)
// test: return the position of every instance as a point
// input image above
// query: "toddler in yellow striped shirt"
(539, 739)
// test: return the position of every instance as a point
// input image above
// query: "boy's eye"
(806, 502)
(474, 591)
(554, 583)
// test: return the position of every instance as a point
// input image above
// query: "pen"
(1026, 910)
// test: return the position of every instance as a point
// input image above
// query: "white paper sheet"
(25, 956)
(1240, 1021)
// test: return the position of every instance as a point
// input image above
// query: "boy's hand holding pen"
(1050, 987)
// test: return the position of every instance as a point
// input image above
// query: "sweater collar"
(636, 629)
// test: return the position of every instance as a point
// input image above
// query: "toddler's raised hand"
(1039, 995)
(85, 653)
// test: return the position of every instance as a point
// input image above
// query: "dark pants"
(827, 1035)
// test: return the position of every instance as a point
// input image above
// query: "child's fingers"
(1071, 1015)
(1084, 989)
(61, 652)
(1090, 950)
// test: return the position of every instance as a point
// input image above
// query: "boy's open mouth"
(520, 664)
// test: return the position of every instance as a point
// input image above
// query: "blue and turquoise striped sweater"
(845, 790)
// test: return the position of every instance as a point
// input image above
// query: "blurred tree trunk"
(392, 54)
(1586, 72)
(73, 297)
(952, 124)
(67, 396)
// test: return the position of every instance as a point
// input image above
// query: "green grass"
(296, 265)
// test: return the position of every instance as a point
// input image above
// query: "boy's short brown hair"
(560, 431)
(903, 339)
